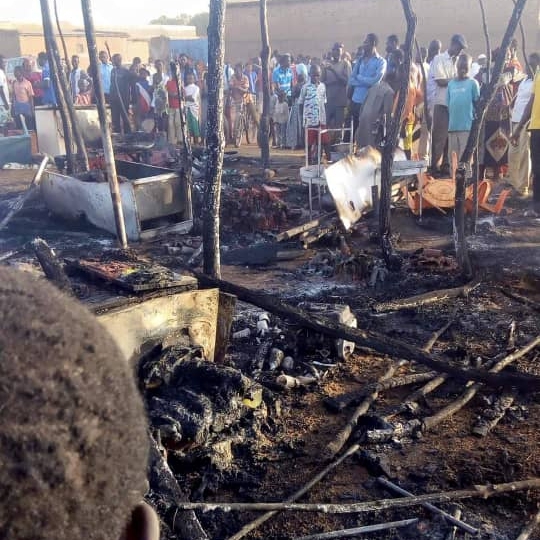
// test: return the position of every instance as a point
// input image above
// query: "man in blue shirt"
(367, 72)
(282, 77)
(49, 95)
(105, 68)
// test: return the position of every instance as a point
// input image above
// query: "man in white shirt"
(442, 70)
(519, 155)
(4, 88)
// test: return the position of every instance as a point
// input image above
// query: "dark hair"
(73, 442)
(392, 38)
(372, 39)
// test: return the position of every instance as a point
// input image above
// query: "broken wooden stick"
(295, 231)
(480, 491)
(344, 533)
(410, 402)
(164, 485)
(52, 267)
(426, 298)
(246, 529)
(368, 339)
(448, 517)
(457, 514)
(339, 403)
(520, 298)
(491, 417)
(337, 444)
(432, 421)
(529, 529)
(19, 201)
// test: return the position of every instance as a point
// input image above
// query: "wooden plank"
(193, 314)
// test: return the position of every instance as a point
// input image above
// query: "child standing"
(280, 116)
(313, 105)
(463, 92)
(193, 107)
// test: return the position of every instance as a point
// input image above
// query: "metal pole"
(104, 125)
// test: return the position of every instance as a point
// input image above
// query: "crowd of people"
(321, 101)
(339, 91)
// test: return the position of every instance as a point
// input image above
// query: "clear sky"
(114, 12)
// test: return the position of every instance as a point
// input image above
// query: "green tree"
(182, 19)
(200, 22)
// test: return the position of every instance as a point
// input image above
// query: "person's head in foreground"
(73, 441)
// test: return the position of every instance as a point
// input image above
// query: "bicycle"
(244, 124)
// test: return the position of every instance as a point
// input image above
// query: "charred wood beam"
(215, 140)
(367, 338)
(295, 496)
(391, 258)
(426, 298)
(264, 126)
(478, 491)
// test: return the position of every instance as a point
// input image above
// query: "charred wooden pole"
(368, 338)
(524, 45)
(488, 40)
(60, 33)
(64, 95)
(215, 139)
(187, 153)
(393, 261)
(86, 6)
(427, 116)
(477, 491)
(55, 82)
(264, 126)
(82, 156)
(476, 152)
(486, 95)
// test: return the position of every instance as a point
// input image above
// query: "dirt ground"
(288, 446)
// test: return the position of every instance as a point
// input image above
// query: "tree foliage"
(199, 20)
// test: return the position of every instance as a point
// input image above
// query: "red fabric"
(172, 90)
(313, 136)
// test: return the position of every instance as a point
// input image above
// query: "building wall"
(9, 43)
(312, 26)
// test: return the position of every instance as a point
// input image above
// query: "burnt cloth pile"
(190, 400)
